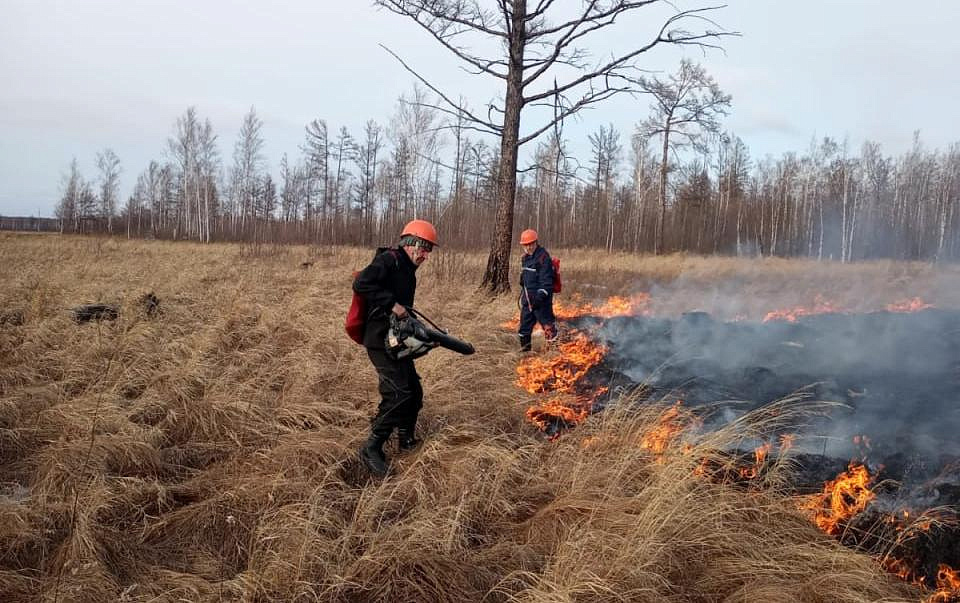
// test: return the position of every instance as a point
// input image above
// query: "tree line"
(633, 192)
(677, 182)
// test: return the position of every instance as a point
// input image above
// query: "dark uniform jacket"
(390, 278)
(536, 277)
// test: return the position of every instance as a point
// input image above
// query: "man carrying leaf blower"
(382, 318)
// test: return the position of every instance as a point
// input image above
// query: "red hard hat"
(421, 229)
(528, 236)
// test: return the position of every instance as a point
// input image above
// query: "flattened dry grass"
(209, 452)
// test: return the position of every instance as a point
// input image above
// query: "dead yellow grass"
(209, 453)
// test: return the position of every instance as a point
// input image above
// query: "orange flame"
(759, 455)
(635, 305)
(820, 306)
(947, 581)
(560, 409)
(669, 425)
(899, 568)
(908, 305)
(948, 584)
(841, 499)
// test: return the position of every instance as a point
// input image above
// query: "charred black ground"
(897, 375)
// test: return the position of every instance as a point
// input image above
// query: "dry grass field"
(208, 452)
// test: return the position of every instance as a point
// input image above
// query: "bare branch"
(493, 127)
(621, 62)
(475, 128)
(475, 19)
(540, 10)
(444, 33)
(592, 97)
(610, 13)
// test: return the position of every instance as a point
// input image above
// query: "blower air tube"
(448, 341)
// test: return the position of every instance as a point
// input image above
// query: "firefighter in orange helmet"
(536, 290)
(388, 284)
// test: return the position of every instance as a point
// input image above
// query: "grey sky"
(80, 76)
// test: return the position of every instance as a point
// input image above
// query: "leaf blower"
(408, 337)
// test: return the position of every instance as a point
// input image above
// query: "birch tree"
(182, 147)
(208, 170)
(247, 165)
(67, 208)
(109, 165)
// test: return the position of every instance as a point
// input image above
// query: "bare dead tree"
(686, 106)
(544, 61)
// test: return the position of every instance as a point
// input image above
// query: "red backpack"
(557, 283)
(357, 314)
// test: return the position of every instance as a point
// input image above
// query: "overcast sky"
(78, 76)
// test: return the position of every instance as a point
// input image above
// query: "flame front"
(560, 372)
(909, 305)
(820, 306)
(635, 305)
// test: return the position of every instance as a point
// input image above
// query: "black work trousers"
(532, 313)
(401, 396)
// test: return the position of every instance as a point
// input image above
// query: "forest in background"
(829, 201)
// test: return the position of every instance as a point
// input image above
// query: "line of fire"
(877, 467)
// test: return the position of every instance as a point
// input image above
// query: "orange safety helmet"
(528, 236)
(421, 229)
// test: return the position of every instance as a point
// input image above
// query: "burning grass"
(208, 452)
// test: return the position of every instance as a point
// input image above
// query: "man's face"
(529, 248)
(418, 255)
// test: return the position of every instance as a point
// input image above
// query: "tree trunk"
(496, 279)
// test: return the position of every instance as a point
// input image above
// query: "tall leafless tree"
(686, 106)
(109, 165)
(316, 148)
(366, 162)
(208, 170)
(68, 206)
(182, 147)
(605, 149)
(543, 61)
(247, 165)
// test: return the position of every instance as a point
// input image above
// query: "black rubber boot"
(406, 441)
(524, 343)
(372, 455)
